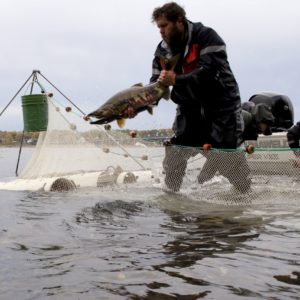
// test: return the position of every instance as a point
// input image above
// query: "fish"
(135, 97)
(138, 97)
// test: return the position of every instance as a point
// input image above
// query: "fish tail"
(169, 64)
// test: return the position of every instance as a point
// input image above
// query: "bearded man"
(205, 91)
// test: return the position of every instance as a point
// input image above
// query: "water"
(139, 243)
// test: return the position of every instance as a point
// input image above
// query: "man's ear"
(180, 23)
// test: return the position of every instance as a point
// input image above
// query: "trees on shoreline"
(11, 138)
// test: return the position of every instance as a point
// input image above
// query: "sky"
(92, 49)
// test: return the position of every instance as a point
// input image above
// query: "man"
(257, 119)
(204, 89)
(281, 107)
(293, 136)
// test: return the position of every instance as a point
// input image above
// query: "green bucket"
(35, 112)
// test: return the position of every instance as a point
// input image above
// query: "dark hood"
(262, 114)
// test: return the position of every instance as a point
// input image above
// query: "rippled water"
(140, 243)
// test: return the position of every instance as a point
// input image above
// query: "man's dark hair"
(171, 11)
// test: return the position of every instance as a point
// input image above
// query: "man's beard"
(176, 41)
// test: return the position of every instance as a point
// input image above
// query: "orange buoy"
(250, 149)
(133, 134)
(206, 147)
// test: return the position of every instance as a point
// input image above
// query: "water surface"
(141, 243)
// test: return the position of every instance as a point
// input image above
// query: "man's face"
(171, 32)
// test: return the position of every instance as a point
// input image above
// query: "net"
(72, 153)
(268, 175)
(90, 155)
(73, 147)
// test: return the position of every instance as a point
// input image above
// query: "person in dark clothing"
(204, 89)
(281, 107)
(257, 119)
(293, 137)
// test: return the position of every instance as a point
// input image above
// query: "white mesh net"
(88, 154)
(233, 177)
(73, 153)
(71, 145)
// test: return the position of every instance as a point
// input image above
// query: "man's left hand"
(129, 113)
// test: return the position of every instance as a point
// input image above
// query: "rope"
(62, 94)
(111, 138)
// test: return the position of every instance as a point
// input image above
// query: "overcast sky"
(92, 49)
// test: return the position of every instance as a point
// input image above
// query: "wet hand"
(148, 99)
(167, 78)
(129, 113)
(140, 102)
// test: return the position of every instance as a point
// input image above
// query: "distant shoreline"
(17, 146)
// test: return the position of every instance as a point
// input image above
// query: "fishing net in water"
(234, 177)
(71, 146)
(73, 153)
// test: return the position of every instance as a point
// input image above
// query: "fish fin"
(150, 109)
(138, 84)
(169, 63)
(173, 61)
(162, 61)
(96, 122)
(121, 122)
(167, 94)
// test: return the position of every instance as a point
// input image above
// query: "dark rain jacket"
(206, 92)
(281, 106)
(253, 116)
(293, 136)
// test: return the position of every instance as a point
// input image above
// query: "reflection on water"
(142, 243)
(101, 245)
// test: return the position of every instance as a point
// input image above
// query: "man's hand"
(141, 103)
(167, 78)
(129, 113)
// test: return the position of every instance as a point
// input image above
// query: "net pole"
(34, 79)
(19, 155)
(13, 98)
